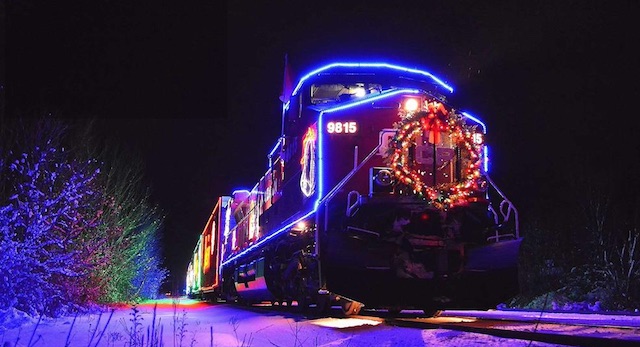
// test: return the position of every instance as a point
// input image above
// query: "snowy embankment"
(12, 318)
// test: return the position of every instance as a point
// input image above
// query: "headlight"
(384, 177)
(411, 104)
(360, 92)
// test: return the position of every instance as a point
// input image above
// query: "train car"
(203, 277)
(376, 194)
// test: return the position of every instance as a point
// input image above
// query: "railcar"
(376, 194)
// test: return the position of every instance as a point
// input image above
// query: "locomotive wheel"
(243, 302)
(303, 304)
(320, 306)
(323, 304)
(302, 297)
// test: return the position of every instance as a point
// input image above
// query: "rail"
(525, 329)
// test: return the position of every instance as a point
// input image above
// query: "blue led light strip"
(359, 102)
(486, 158)
(241, 191)
(486, 148)
(320, 160)
(340, 108)
(320, 169)
(373, 65)
(275, 147)
(266, 239)
(484, 127)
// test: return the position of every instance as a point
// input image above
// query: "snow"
(189, 323)
(591, 319)
(12, 318)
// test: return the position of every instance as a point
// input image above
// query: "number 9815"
(342, 127)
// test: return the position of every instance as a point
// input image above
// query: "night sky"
(193, 86)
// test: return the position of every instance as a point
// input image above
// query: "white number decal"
(477, 138)
(342, 128)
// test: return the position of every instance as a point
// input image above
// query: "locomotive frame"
(377, 193)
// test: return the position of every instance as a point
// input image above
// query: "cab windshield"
(338, 92)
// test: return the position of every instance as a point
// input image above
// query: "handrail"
(325, 200)
(351, 207)
(346, 178)
(505, 209)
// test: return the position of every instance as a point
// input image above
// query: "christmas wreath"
(434, 120)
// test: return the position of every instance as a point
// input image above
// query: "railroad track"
(556, 328)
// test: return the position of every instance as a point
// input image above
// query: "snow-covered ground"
(189, 323)
(601, 319)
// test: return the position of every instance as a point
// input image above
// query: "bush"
(73, 231)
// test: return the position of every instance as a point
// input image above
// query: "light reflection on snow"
(592, 319)
(448, 320)
(182, 301)
(341, 323)
(171, 303)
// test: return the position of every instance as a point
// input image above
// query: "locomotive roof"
(375, 72)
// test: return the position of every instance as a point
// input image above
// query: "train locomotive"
(377, 194)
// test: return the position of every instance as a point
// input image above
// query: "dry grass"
(133, 333)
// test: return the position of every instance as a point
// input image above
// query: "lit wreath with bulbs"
(434, 120)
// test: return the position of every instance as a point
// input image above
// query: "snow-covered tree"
(71, 234)
(50, 209)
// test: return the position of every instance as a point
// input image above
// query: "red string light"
(433, 120)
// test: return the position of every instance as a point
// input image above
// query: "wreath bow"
(435, 121)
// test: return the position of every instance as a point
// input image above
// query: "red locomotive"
(377, 193)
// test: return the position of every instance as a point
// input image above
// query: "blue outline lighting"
(486, 148)
(226, 232)
(374, 65)
(321, 131)
(320, 135)
(486, 158)
(368, 100)
(273, 150)
(269, 237)
(320, 170)
(240, 190)
(484, 127)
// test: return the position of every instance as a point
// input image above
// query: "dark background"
(193, 86)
